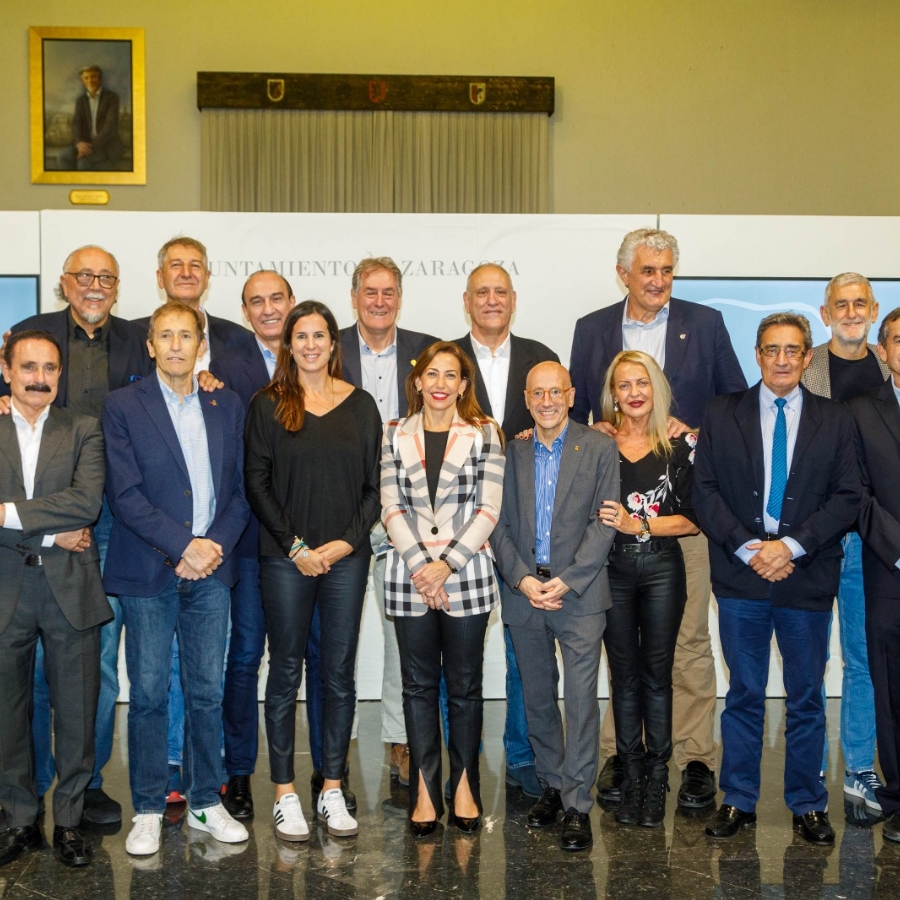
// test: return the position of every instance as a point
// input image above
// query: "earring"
(615, 405)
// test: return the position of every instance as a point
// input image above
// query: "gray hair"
(846, 278)
(373, 264)
(58, 291)
(892, 316)
(646, 237)
(795, 320)
(181, 241)
(488, 265)
(96, 69)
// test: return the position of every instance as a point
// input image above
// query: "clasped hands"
(772, 561)
(429, 580)
(544, 594)
(319, 561)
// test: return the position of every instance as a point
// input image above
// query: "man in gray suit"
(51, 488)
(551, 550)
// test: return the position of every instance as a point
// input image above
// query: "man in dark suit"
(502, 363)
(877, 417)
(175, 486)
(100, 353)
(96, 145)
(51, 488)
(377, 356)
(776, 486)
(691, 345)
(551, 551)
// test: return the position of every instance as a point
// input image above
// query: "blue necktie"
(779, 462)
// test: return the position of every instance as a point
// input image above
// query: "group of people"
(240, 481)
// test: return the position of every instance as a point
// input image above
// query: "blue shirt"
(190, 429)
(649, 337)
(546, 474)
(379, 376)
(268, 357)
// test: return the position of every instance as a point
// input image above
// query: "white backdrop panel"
(20, 249)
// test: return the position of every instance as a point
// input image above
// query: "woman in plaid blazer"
(441, 488)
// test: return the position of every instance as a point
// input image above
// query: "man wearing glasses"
(100, 352)
(776, 487)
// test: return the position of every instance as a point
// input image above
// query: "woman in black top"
(646, 577)
(312, 451)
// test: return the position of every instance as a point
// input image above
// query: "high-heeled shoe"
(466, 824)
(423, 829)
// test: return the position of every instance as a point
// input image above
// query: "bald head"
(549, 396)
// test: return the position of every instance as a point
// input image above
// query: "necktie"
(779, 462)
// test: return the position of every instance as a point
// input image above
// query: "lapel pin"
(212, 403)
(576, 448)
(412, 362)
(682, 336)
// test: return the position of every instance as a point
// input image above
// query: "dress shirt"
(767, 414)
(546, 474)
(649, 337)
(495, 372)
(268, 356)
(190, 428)
(94, 103)
(87, 368)
(203, 361)
(29, 447)
(379, 376)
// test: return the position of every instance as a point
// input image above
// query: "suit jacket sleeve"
(72, 507)
(597, 539)
(107, 120)
(369, 509)
(581, 409)
(470, 538)
(400, 521)
(728, 374)
(512, 565)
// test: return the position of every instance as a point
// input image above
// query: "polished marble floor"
(505, 861)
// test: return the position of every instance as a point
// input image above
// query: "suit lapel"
(515, 385)
(459, 446)
(214, 439)
(569, 463)
(888, 408)
(155, 404)
(350, 360)
(678, 338)
(480, 390)
(525, 487)
(810, 419)
(405, 363)
(747, 416)
(117, 344)
(51, 439)
(411, 447)
(9, 450)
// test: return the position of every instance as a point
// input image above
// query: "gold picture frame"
(81, 134)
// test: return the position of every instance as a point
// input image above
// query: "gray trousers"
(565, 761)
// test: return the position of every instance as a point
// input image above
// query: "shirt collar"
(659, 319)
(266, 352)
(767, 398)
(557, 441)
(365, 348)
(896, 389)
(171, 397)
(20, 420)
(482, 351)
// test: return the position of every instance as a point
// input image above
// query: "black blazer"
(224, 335)
(700, 361)
(524, 355)
(877, 418)
(409, 345)
(821, 498)
(128, 357)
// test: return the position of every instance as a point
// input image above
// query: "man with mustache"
(100, 352)
(51, 488)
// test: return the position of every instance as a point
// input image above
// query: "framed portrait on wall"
(87, 106)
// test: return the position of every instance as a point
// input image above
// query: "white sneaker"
(143, 839)
(332, 811)
(216, 821)
(289, 822)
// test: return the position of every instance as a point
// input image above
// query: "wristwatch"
(644, 535)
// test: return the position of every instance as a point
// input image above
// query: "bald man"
(551, 549)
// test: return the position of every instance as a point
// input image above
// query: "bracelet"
(450, 566)
(298, 545)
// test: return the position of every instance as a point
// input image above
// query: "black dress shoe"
(815, 828)
(653, 811)
(238, 797)
(317, 781)
(698, 786)
(14, 841)
(576, 832)
(891, 828)
(423, 829)
(609, 781)
(71, 847)
(100, 808)
(545, 811)
(729, 821)
(629, 811)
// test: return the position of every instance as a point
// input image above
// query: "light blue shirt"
(649, 337)
(190, 428)
(767, 413)
(379, 376)
(268, 357)
(546, 474)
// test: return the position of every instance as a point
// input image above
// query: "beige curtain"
(329, 161)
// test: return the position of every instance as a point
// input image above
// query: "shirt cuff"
(796, 550)
(48, 540)
(897, 564)
(12, 517)
(745, 555)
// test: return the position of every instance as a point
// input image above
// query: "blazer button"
(755, 494)
(187, 493)
(187, 524)
(434, 529)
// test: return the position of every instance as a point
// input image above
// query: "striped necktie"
(779, 462)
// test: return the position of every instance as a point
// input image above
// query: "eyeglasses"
(791, 352)
(86, 279)
(538, 394)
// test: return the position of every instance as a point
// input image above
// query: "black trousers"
(289, 599)
(648, 594)
(427, 643)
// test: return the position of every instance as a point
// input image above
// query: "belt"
(543, 571)
(33, 559)
(645, 547)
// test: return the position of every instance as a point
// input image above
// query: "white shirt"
(649, 337)
(29, 447)
(767, 415)
(379, 376)
(495, 372)
(94, 103)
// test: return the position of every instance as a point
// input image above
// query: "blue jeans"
(104, 726)
(197, 612)
(746, 628)
(315, 690)
(857, 694)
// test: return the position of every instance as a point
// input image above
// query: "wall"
(774, 106)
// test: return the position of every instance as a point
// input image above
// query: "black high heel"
(423, 829)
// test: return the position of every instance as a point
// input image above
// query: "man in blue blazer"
(175, 485)
(691, 345)
(776, 487)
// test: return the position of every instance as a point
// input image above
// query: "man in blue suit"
(692, 346)
(176, 489)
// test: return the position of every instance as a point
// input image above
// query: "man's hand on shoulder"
(203, 556)
(676, 428)
(5, 405)
(524, 435)
(208, 382)
(604, 428)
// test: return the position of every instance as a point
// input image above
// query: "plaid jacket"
(817, 376)
(466, 509)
